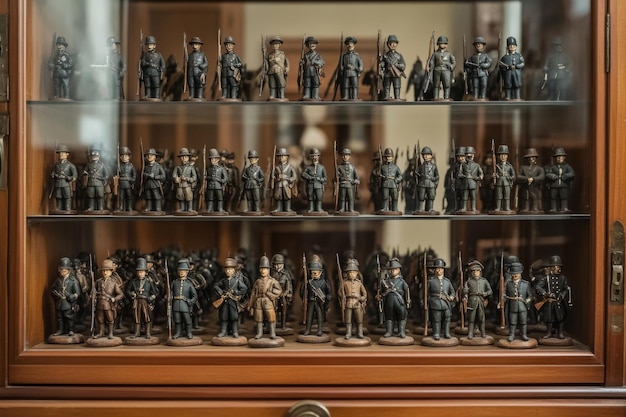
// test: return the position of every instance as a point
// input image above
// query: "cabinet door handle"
(617, 277)
(308, 408)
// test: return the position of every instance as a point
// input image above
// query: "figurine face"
(512, 48)
(393, 45)
(151, 158)
(346, 157)
(532, 160)
(149, 265)
(196, 46)
(63, 156)
(230, 47)
(125, 158)
(395, 271)
(427, 157)
(184, 159)
(479, 47)
(276, 46)
(141, 274)
(353, 274)
(315, 159)
(516, 277)
(469, 156)
(60, 47)
(265, 272)
(283, 159)
(460, 158)
(106, 273)
(503, 157)
(182, 273)
(439, 272)
(312, 46)
(95, 156)
(351, 46)
(556, 269)
(476, 273)
(316, 274)
(253, 161)
(151, 46)
(64, 272)
(229, 271)
(279, 267)
(443, 46)
(560, 159)
(215, 161)
(389, 159)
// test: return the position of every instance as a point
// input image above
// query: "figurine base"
(287, 331)
(517, 344)
(396, 341)
(195, 99)
(278, 100)
(500, 212)
(501, 331)
(63, 212)
(425, 213)
(199, 330)
(442, 99)
(315, 213)
(477, 341)
(125, 213)
(150, 99)
(555, 341)
(229, 341)
(388, 213)
(350, 99)
(443, 342)
(153, 213)
(215, 213)
(141, 341)
(89, 212)
(324, 338)
(311, 99)
(389, 99)
(282, 213)
(466, 212)
(59, 99)
(265, 342)
(66, 339)
(342, 330)
(229, 100)
(252, 213)
(184, 341)
(103, 341)
(530, 212)
(352, 342)
(346, 213)
(185, 213)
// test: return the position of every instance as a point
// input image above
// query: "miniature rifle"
(336, 187)
(116, 179)
(54, 159)
(143, 165)
(501, 303)
(342, 293)
(338, 74)
(93, 297)
(494, 163)
(425, 294)
(168, 296)
(300, 79)
(305, 296)
(270, 178)
(417, 163)
(53, 53)
(429, 70)
(517, 173)
(139, 71)
(379, 69)
(265, 195)
(185, 62)
(218, 67)
(379, 296)
(465, 60)
(264, 66)
(463, 308)
(500, 63)
(243, 188)
(203, 186)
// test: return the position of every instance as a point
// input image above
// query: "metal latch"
(617, 277)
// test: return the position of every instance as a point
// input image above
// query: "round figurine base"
(229, 341)
(141, 341)
(63, 212)
(346, 213)
(501, 212)
(477, 341)
(501, 331)
(442, 99)
(199, 330)
(443, 342)
(393, 99)
(324, 338)
(342, 330)
(215, 213)
(287, 331)
(477, 99)
(425, 213)
(66, 339)
(350, 99)
(353, 342)
(125, 213)
(315, 213)
(282, 213)
(59, 99)
(186, 213)
(184, 342)
(517, 344)
(537, 328)
(388, 213)
(311, 99)
(252, 213)
(278, 100)
(396, 341)
(555, 341)
(121, 330)
(466, 212)
(229, 100)
(266, 342)
(89, 212)
(152, 213)
(150, 99)
(103, 341)
(462, 330)
(195, 99)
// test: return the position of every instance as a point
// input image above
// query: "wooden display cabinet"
(41, 378)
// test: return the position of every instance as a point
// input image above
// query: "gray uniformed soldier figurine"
(314, 175)
(477, 68)
(442, 63)
(511, 65)
(126, 179)
(65, 292)
(350, 70)
(197, 67)
(474, 176)
(557, 72)
(504, 179)
(152, 183)
(152, 70)
(143, 294)
(318, 294)
(231, 289)
(284, 184)
(554, 295)
(390, 179)
(184, 297)
(530, 179)
(392, 67)
(185, 180)
(427, 182)
(349, 181)
(61, 66)
(517, 298)
(216, 178)
(230, 71)
(441, 296)
(312, 67)
(559, 178)
(277, 70)
(252, 181)
(96, 176)
(459, 180)
(476, 293)
(280, 274)
(396, 300)
(64, 175)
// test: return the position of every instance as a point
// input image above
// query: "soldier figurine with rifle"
(96, 177)
(427, 182)
(216, 178)
(231, 290)
(252, 182)
(151, 70)
(185, 180)
(311, 70)
(143, 293)
(555, 300)
(283, 183)
(396, 304)
(504, 179)
(66, 292)
(184, 297)
(108, 294)
(511, 65)
(196, 68)
(441, 298)
(126, 178)
(392, 68)
(441, 65)
(64, 175)
(517, 296)
(152, 177)
(389, 182)
(477, 68)
(61, 66)
(318, 295)
(229, 68)
(476, 293)
(315, 177)
(347, 183)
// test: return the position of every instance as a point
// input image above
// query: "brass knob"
(308, 408)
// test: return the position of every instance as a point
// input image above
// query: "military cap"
(213, 153)
(469, 150)
(282, 152)
(442, 39)
(502, 149)
(264, 262)
(196, 39)
(309, 40)
(276, 39)
(229, 39)
(439, 263)
(150, 39)
(460, 151)
(314, 151)
(479, 39)
(554, 261)
(394, 263)
(150, 151)
(350, 39)
(531, 152)
(475, 265)
(124, 150)
(107, 264)
(230, 263)
(184, 152)
(65, 263)
(252, 153)
(315, 266)
(62, 148)
(426, 151)
(392, 38)
(61, 41)
(141, 265)
(516, 268)
(511, 41)
(351, 266)
(278, 259)
(388, 152)
(346, 151)
(559, 152)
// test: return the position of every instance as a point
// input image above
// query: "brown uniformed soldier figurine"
(64, 175)
(265, 292)
(283, 184)
(65, 292)
(355, 294)
(277, 70)
(185, 179)
(143, 293)
(108, 294)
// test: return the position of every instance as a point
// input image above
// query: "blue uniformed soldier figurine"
(390, 179)
(348, 183)
(442, 63)
(530, 179)
(477, 68)
(559, 178)
(441, 296)
(197, 67)
(184, 297)
(504, 179)
(554, 295)
(557, 71)
(476, 293)
(252, 181)
(95, 177)
(216, 178)
(152, 183)
(143, 294)
(312, 65)
(511, 65)
(65, 292)
(517, 298)
(396, 299)
(427, 182)
(64, 175)
(61, 67)
(185, 179)
(350, 70)
(230, 71)
(392, 68)
(126, 179)
(231, 290)
(152, 70)
(318, 294)
(314, 175)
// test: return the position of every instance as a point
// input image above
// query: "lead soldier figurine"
(108, 295)
(265, 292)
(517, 296)
(318, 295)
(231, 290)
(511, 65)
(216, 178)
(460, 184)
(427, 182)
(555, 299)
(184, 298)
(474, 177)
(559, 178)
(153, 177)
(252, 182)
(477, 68)
(284, 184)
(230, 71)
(61, 66)
(389, 181)
(556, 72)
(441, 296)
(315, 177)
(442, 64)
(312, 68)
(66, 292)
(143, 294)
(185, 180)
(476, 293)
(350, 70)
(95, 178)
(277, 70)
(64, 175)
(396, 304)
(529, 180)
(126, 179)
(503, 178)
(152, 70)
(197, 67)
(280, 274)
(354, 304)
(349, 181)
(392, 68)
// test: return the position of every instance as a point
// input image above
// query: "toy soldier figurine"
(126, 178)
(152, 187)
(315, 178)
(559, 178)
(280, 274)
(396, 304)
(108, 294)
(114, 70)
(474, 175)
(64, 175)
(427, 182)
(529, 180)
(65, 292)
(184, 297)
(442, 63)
(349, 181)
(504, 179)
(318, 295)
(277, 70)
(460, 183)
(477, 68)
(511, 65)
(312, 68)
(350, 70)
(95, 177)
(185, 180)
(390, 178)
(231, 290)
(556, 72)
(392, 68)
(61, 68)
(197, 67)
(230, 71)
(441, 295)
(517, 298)
(284, 184)
(265, 292)
(143, 293)
(355, 294)
(416, 79)
(476, 293)
(252, 181)
(554, 301)
(152, 70)
(216, 178)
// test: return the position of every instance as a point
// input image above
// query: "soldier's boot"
(157, 204)
(436, 93)
(517, 93)
(101, 332)
(463, 205)
(137, 329)
(59, 327)
(535, 205)
(561, 335)
(388, 328)
(359, 331)
(507, 205)
(318, 205)
(110, 326)
(394, 205)
(524, 330)
(200, 92)
(209, 205)
(548, 331)
(272, 92)
(157, 92)
(564, 205)
(437, 330)
(283, 319)
(483, 92)
(473, 204)
(553, 205)
(189, 332)
(70, 326)
(178, 330)
(195, 322)
(320, 328)
(315, 92)
(259, 330)
(396, 93)
(470, 331)
(507, 93)
(220, 205)
(235, 326)
(351, 205)
(402, 329)
(223, 329)
(512, 329)
(234, 92)
(421, 205)
(498, 205)
(355, 93)
(287, 205)
(273, 330)
(345, 93)
(446, 329)
(348, 331)
(148, 330)
(306, 92)
(100, 204)
(310, 206)
(446, 93)
(483, 333)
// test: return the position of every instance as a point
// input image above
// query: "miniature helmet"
(479, 39)
(230, 263)
(559, 152)
(314, 151)
(196, 39)
(426, 151)
(229, 39)
(392, 38)
(554, 261)
(315, 266)
(213, 153)
(309, 40)
(442, 39)
(65, 263)
(61, 41)
(388, 152)
(510, 260)
(264, 262)
(469, 150)
(276, 39)
(350, 39)
(346, 151)
(183, 265)
(502, 149)
(112, 41)
(184, 152)
(351, 266)
(141, 265)
(231, 155)
(94, 150)
(107, 264)
(516, 268)
(62, 148)
(150, 151)
(531, 152)
(439, 263)
(394, 263)
(460, 151)
(511, 41)
(252, 153)
(124, 150)
(475, 265)
(150, 40)
(282, 152)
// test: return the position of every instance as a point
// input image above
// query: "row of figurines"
(161, 79)
(218, 184)
(269, 296)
